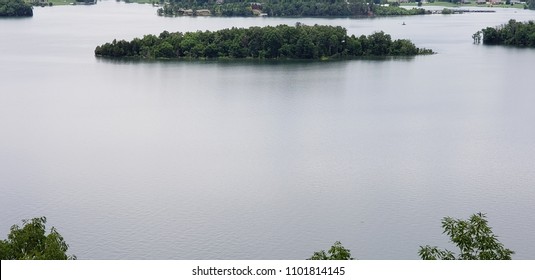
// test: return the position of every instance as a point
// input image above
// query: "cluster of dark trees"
(271, 42)
(514, 33)
(285, 8)
(31, 242)
(15, 8)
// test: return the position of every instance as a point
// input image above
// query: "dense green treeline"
(271, 42)
(519, 34)
(15, 8)
(316, 8)
(282, 8)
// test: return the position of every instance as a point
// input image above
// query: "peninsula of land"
(514, 33)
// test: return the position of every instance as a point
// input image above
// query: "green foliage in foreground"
(473, 237)
(15, 8)
(31, 243)
(337, 252)
(282, 41)
(519, 34)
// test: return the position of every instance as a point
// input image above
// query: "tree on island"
(473, 237)
(15, 8)
(32, 243)
(514, 33)
(337, 252)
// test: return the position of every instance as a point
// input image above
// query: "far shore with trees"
(297, 8)
(318, 42)
(318, 8)
(291, 8)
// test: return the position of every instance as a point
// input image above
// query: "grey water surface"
(263, 160)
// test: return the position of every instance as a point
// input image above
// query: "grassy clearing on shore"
(61, 2)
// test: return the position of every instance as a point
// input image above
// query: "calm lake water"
(258, 160)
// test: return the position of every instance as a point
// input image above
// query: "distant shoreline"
(425, 7)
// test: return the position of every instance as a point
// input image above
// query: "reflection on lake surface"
(262, 160)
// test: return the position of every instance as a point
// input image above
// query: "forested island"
(271, 42)
(277, 8)
(514, 33)
(15, 8)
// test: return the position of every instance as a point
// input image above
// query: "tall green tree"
(474, 239)
(30, 242)
(337, 252)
